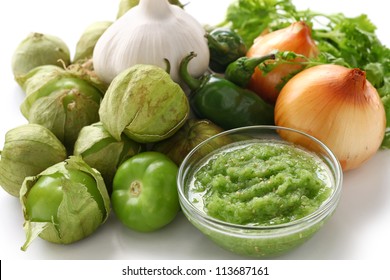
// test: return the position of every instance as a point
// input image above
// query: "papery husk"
(28, 150)
(144, 103)
(39, 49)
(78, 214)
(88, 39)
(103, 152)
(64, 120)
(151, 33)
(125, 5)
(192, 133)
(84, 70)
(63, 100)
(36, 77)
(39, 77)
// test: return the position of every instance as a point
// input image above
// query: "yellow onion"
(338, 106)
(295, 38)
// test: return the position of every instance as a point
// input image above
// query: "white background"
(359, 230)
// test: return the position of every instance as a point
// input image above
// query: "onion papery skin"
(339, 107)
(296, 38)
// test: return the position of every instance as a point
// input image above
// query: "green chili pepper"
(225, 46)
(223, 102)
(241, 70)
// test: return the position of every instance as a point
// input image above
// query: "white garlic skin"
(148, 34)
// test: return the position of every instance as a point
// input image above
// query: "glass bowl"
(255, 240)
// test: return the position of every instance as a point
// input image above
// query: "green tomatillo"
(41, 74)
(192, 133)
(28, 150)
(65, 203)
(103, 152)
(144, 196)
(64, 101)
(87, 41)
(144, 103)
(39, 49)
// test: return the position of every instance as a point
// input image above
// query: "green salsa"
(260, 184)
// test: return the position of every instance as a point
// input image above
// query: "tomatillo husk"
(39, 49)
(41, 80)
(103, 152)
(62, 209)
(65, 113)
(28, 150)
(64, 102)
(144, 103)
(192, 133)
(87, 41)
(38, 76)
(84, 70)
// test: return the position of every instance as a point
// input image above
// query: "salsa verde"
(260, 183)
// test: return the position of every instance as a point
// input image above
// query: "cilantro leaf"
(251, 17)
(347, 41)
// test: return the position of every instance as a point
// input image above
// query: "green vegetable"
(61, 101)
(192, 133)
(241, 70)
(144, 194)
(348, 41)
(225, 46)
(251, 17)
(101, 151)
(41, 74)
(144, 103)
(39, 49)
(223, 102)
(65, 203)
(28, 150)
(86, 44)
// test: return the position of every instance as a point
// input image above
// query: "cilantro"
(250, 17)
(347, 41)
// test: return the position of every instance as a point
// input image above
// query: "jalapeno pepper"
(223, 102)
(241, 70)
(225, 46)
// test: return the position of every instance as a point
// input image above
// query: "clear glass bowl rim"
(325, 208)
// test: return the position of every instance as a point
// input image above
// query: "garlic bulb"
(149, 33)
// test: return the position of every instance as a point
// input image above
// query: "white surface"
(358, 230)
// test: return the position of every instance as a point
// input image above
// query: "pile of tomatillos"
(109, 128)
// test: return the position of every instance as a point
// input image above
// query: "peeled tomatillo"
(144, 196)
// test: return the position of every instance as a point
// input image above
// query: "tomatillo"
(65, 203)
(144, 196)
(62, 102)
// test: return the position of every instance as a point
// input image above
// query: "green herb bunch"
(348, 41)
